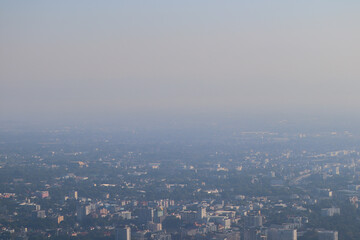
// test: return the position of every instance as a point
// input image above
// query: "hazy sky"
(87, 58)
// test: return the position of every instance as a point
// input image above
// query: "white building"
(329, 212)
(328, 235)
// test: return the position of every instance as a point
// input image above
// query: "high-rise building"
(202, 213)
(159, 215)
(123, 233)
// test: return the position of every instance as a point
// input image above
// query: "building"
(336, 170)
(161, 236)
(125, 214)
(188, 216)
(220, 220)
(60, 219)
(254, 221)
(123, 233)
(82, 212)
(329, 212)
(325, 193)
(39, 214)
(202, 213)
(159, 215)
(103, 212)
(252, 234)
(282, 234)
(328, 235)
(42, 194)
(73, 195)
(154, 227)
(230, 235)
(145, 214)
(287, 234)
(139, 235)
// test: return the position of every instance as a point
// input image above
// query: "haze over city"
(83, 60)
(179, 120)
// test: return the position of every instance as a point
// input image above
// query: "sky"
(85, 59)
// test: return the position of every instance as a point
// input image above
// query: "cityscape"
(68, 184)
(179, 120)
